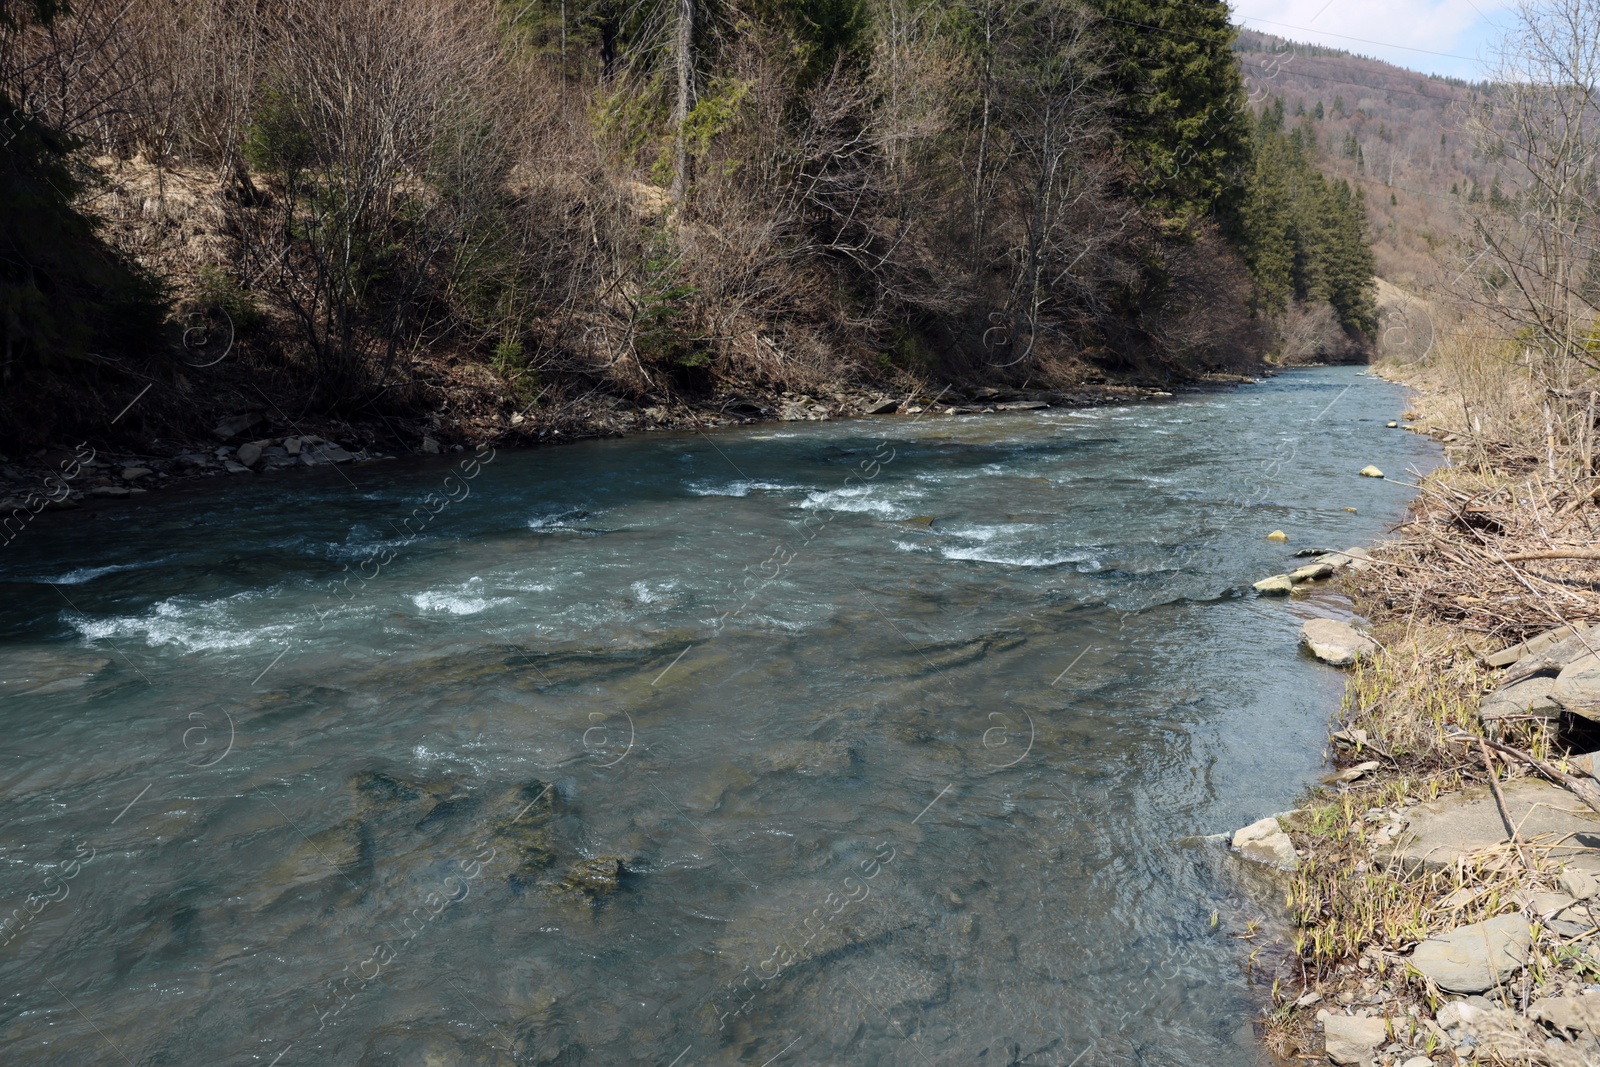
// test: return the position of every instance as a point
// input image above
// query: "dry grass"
(1454, 583)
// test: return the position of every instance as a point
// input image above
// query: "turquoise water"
(902, 730)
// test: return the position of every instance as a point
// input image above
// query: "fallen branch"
(1500, 802)
(1554, 553)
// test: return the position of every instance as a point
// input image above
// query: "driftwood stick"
(1500, 802)
(1554, 553)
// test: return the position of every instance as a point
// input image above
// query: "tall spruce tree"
(1180, 114)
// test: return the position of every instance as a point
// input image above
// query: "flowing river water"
(885, 741)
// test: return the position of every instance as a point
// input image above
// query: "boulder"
(1277, 585)
(1369, 471)
(1477, 957)
(1277, 535)
(1335, 642)
(1531, 696)
(291, 445)
(248, 453)
(880, 407)
(1265, 842)
(1350, 1040)
(1311, 572)
(1577, 687)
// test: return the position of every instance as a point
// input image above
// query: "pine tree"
(1181, 118)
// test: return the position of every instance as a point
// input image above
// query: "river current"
(883, 741)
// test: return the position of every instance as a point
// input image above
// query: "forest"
(386, 209)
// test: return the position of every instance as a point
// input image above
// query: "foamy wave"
(459, 601)
(194, 626)
(742, 487)
(860, 499)
(87, 574)
(1018, 556)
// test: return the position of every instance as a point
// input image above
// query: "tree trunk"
(680, 112)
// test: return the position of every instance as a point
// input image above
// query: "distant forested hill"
(1392, 132)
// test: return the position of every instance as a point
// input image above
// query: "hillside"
(1394, 133)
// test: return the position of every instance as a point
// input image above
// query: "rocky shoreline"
(263, 440)
(1443, 895)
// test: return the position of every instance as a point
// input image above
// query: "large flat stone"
(1459, 825)
(1531, 696)
(1564, 653)
(1336, 642)
(1531, 647)
(1477, 957)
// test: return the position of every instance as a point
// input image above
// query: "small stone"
(233, 467)
(133, 474)
(1392, 425)
(1277, 535)
(1369, 471)
(1476, 957)
(1351, 510)
(1578, 884)
(249, 453)
(1277, 585)
(291, 445)
(110, 490)
(1351, 1041)
(430, 446)
(1417, 1061)
(1337, 643)
(1308, 999)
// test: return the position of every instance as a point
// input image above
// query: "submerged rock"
(41, 671)
(1335, 642)
(1476, 957)
(594, 878)
(809, 758)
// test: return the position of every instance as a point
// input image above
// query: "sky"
(1452, 37)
